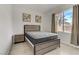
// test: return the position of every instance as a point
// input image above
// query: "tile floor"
(23, 49)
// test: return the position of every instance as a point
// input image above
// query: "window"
(68, 20)
(64, 21)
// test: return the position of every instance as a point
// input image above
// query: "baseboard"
(10, 48)
(69, 44)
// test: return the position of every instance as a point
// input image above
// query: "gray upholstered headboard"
(29, 28)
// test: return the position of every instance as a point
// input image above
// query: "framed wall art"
(38, 19)
(26, 17)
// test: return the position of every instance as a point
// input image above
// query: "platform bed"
(40, 42)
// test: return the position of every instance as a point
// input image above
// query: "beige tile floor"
(24, 49)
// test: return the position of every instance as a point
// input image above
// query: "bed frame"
(40, 48)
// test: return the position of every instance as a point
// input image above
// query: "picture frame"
(38, 19)
(26, 17)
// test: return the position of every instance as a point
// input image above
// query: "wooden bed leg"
(34, 50)
(59, 43)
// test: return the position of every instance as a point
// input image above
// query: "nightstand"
(18, 38)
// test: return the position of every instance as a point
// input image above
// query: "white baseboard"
(69, 44)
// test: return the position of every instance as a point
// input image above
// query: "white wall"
(18, 23)
(65, 37)
(47, 22)
(5, 28)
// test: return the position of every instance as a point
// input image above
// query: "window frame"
(63, 30)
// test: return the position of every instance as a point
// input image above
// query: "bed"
(40, 42)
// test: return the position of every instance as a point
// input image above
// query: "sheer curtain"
(75, 26)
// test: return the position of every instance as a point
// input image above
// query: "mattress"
(39, 37)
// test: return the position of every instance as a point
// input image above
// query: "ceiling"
(41, 7)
